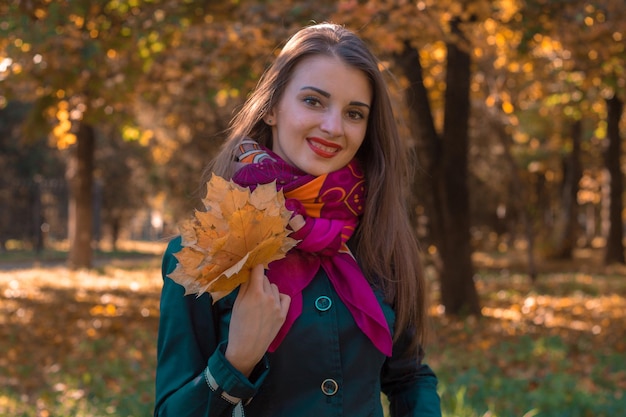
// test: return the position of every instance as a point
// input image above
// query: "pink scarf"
(331, 205)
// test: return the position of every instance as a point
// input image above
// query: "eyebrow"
(327, 95)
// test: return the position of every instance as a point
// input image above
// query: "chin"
(318, 171)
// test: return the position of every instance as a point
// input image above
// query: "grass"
(82, 343)
(554, 348)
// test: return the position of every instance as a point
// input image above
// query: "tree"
(615, 240)
(447, 169)
(92, 66)
(80, 213)
(548, 68)
(78, 62)
(572, 174)
(123, 172)
(25, 167)
(403, 28)
(590, 36)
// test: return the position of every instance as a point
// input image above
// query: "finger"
(285, 302)
(257, 275)
(267, 285)
(296, 222)
(243, 287)
(274, 291)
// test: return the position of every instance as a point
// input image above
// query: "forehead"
(332, 75)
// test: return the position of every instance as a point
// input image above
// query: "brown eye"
(311, 101)
(355, 115)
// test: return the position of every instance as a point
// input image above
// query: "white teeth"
(324, 148)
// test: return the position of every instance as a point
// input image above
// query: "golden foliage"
(238, 230)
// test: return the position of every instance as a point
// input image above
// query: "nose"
(332, 123)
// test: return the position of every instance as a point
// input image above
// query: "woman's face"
(320, 121)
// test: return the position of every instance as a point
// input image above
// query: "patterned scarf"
(331, 205)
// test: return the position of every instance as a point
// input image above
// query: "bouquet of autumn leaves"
(238, 230)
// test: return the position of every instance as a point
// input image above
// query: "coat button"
(329, 387)
(323, 303)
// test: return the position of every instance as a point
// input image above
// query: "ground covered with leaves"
(556, 348)
(82, 343)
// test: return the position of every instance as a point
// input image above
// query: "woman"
(341, 319)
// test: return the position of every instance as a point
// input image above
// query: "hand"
(258, 314)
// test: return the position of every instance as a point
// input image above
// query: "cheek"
(357, 136)
(292, 122)
(299, 121)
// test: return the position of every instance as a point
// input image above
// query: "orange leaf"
(238, 230)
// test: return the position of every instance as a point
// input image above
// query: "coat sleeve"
(410, 384)
(193, 378)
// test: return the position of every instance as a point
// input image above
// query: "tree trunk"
(458, 291)
(445, 162)
(428, 148)
(80, 178)
(615, 239)
(521, 196)
(567, 222)
(116, 224)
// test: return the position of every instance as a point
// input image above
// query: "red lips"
(322, 147)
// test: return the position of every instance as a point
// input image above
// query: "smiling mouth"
(323, 148)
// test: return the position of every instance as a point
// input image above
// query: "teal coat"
(324, 367)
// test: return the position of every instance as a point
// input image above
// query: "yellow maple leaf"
(238, 230)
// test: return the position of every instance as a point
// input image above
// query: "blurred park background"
(110, 109)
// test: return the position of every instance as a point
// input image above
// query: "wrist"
(222, 377)
(240, 362)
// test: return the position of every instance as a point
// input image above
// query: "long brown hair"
(386, 245)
